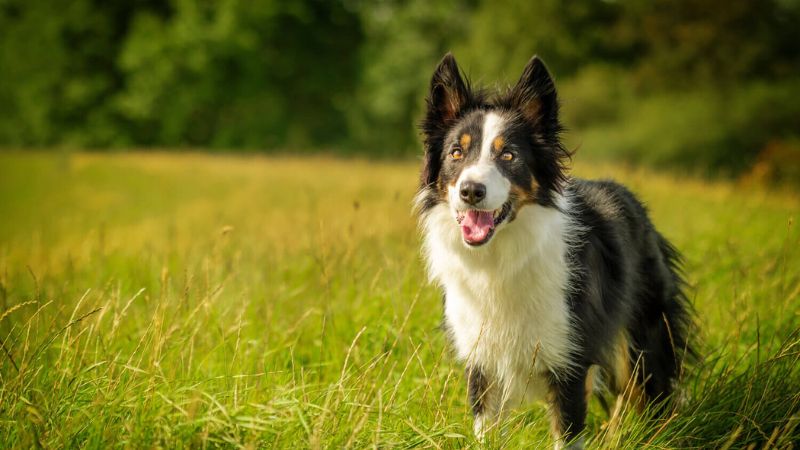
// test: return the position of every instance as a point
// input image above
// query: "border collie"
(550, 282)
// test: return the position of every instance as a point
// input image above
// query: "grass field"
(185, 300)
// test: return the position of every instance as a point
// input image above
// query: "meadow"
(183, 300)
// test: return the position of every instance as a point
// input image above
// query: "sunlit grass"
(185, 300)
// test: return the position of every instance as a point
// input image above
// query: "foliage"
(707, 128)
(177, 301)
(240, 74)
(405, 40)
(59, 69)
(351, 75)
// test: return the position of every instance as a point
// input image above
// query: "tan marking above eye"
(465, 140)
(498, 143)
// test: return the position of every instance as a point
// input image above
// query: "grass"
(185, 300)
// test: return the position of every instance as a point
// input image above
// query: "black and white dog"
(548, 280)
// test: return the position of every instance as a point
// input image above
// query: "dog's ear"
(535, 96)
(448, 92)
(448, 95)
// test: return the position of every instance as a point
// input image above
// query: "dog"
(553, 286)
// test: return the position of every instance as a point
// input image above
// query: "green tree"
(59, 70)
(241, 74)
(404, 42)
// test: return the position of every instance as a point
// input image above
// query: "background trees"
(701, 83)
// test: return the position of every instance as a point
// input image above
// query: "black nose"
(472, 192)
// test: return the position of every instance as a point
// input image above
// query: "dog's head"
(487, 157)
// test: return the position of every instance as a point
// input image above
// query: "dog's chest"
(517, 328)
(506, 307)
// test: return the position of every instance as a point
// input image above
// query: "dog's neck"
(537, 235)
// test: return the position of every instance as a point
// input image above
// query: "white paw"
(577, 444)
(478, 427)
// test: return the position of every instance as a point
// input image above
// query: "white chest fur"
(506, 302)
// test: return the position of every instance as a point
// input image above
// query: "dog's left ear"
(535, 96)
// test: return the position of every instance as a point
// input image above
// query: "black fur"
(568, 403)
(477, 386)
(628, 278)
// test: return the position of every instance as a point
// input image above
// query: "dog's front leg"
(484, 400)
(568, 408)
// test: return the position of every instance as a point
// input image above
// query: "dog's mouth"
(478, 226)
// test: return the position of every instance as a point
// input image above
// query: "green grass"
(183, 300)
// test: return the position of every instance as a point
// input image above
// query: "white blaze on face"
(485, 171)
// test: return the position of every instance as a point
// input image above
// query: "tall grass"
(155, 300)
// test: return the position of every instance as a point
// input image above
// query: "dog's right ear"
(447, 96)
(448, 92)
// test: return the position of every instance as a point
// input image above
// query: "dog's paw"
(577, 444)
(479, 428)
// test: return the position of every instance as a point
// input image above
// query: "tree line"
(350, 75)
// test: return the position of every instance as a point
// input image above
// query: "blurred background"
(708, 86)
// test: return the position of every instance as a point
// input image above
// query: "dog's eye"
(456, 153)
(506, 156)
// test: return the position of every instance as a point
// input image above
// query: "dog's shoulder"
(605, 201)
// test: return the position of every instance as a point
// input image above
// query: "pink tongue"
(476, 225)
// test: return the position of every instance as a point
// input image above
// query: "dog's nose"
(472, 192)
